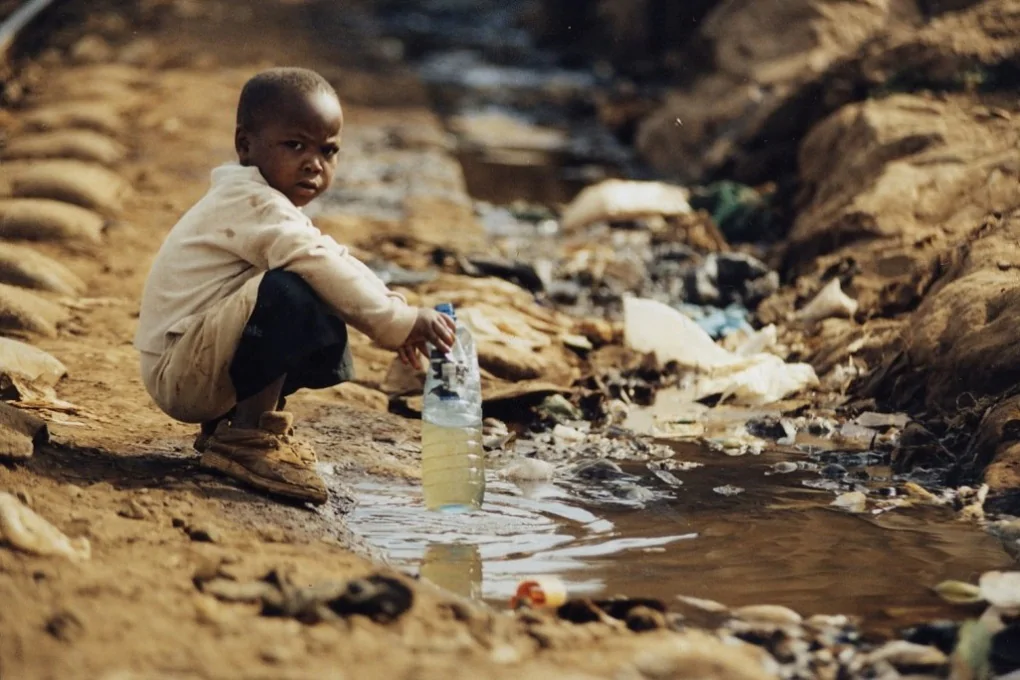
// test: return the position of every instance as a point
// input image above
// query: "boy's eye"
(330, 151)
(295, 145)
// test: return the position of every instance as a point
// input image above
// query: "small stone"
(903, 654)
(728, 490)
(769, 613)
(131, 509)
(704, 605)
(91, 49)
(24, 497)
(65, 626)
(504, 655)
(202, 534)
(641, 619)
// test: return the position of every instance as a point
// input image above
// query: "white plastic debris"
(528, 470)
(753, 379)
(24, 530)
(853, 501)
(1001, 589)
(618, 200)
(830, 302)
(563, 434)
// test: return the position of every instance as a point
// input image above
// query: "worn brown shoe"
(269, 458)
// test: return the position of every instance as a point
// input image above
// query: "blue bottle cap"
(446, 308)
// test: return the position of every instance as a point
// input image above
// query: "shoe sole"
(225, 466)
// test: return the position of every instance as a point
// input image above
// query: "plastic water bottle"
(452, 457)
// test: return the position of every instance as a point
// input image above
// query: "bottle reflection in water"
(455, 567)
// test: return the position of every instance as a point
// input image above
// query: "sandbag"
(21, 266)
(27, 372)
(82, 145)
(20, 432)
(23, 313)
(38, 219)
(98, 116)
(84, 184)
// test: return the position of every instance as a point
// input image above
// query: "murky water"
(777, 541)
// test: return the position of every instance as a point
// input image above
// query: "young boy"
(247, 301)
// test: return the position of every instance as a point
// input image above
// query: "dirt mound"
(765, 53)
(915, 175)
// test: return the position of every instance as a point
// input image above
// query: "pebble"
(901, 653)
(785, 467)
(768, 613)
(710, 606)
(728, 490)
(132, 510)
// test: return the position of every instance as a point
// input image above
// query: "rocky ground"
(889, 127)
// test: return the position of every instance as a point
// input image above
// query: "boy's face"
(296, 147)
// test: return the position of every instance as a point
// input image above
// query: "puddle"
(776, 541)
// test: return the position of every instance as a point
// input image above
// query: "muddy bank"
(891, 130)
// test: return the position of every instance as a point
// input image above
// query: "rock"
(91, 49)
(203, 533)
(698, 655)
(20, 433)
(27, 372)
(140, 52)
(65, 625)
(24, 530)
(1001, 589)
(131, 509)
(768, 613)
(903, 654)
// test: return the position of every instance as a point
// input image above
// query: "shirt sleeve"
(281, 237)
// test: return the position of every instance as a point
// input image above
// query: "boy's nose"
(313, 164)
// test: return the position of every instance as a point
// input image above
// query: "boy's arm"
(345, 283)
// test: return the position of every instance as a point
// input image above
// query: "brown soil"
(123, 475)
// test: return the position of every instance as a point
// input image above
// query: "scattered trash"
(719, 323)
(616, 200)
(742, 213)
(382, 599)
(543, 591)
(728, 490)
(830, 302)
(23, 529)
(528, 470)
(853, 501)
(565, 435)
(758, 379)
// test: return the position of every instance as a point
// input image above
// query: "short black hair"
(266, 90)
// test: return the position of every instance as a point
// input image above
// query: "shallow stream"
(777, 541)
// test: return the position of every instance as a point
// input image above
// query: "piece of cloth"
(275, 325)
(240, 229)
(290, 332)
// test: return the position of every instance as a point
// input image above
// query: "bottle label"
(452, 376)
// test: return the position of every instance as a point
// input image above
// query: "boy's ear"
(242, 144)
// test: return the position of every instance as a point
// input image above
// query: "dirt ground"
(123, 475)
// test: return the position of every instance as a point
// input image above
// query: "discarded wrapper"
(543, 591)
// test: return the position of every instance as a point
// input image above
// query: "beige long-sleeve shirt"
(241, 228)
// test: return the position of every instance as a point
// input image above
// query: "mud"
(191, 576)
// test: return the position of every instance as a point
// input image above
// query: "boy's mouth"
(308, 187)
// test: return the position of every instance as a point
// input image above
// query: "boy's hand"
(430, 327)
